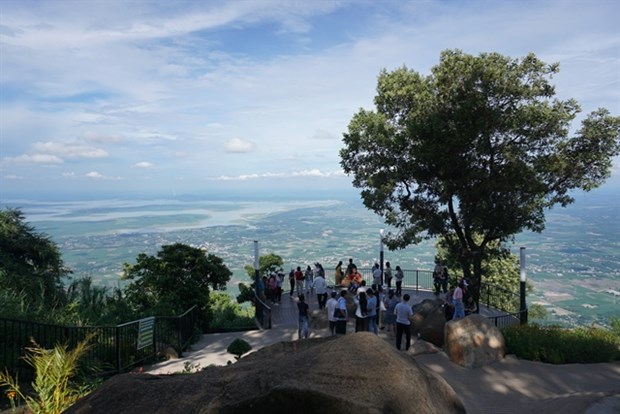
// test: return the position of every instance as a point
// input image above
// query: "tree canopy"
(174, 280)
(480, 147)
(30, 263)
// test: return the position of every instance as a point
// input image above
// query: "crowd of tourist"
(376, 308)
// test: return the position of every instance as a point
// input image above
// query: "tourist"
(390, 317)
(457, 300)
(371, 319)
(338, 276)
(331, 305)
(356, 279)
(399, 280)
(388, 275)
(341, 313)
(470, 305)
(271, 286)
(260, 289)
(437, 276)
(321, 289)
(308, 277)
(403, 324)
(361, 311)
(299, 281)
(376, 274)
(350, 267)
(279, 283)
(291, 280)
(303, 307)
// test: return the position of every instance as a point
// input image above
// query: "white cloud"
(69, 150)
(98, 176)
(143, 164)
(304, 173)
(37, 159)
(13, 177)
(238, 145)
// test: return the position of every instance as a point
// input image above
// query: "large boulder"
(473, 341)
(341, 374)
(429, 321)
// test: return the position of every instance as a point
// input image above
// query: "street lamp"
(381, 253)
(522, 287)
(256, 269)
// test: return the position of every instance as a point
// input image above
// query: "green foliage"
(557, 345)
(499, 268)
(53, 386)
(480, 147)
(239, 347)
(228, 314)
(179, 277)
(266, 265)
(30, 263)
(536, 311)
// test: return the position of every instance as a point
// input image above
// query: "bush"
(239, 347)
(558, 345)
(228, 314)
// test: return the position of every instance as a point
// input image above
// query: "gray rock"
(473, 341)
(325, 375)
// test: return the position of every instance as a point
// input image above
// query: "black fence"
(114, 348)
(262, 313)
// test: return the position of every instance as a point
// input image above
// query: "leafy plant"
(228, 314)
(53, 386)
(238, 347)
(558, 345)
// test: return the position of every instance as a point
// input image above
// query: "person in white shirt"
(341, 318)
(331, 305)
(403, 312)
(321, 290)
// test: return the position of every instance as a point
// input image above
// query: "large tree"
(174, 280)
(480, 147)
(30, 263)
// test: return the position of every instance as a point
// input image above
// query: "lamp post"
(256, 271)
(381, 253)
(522, 287)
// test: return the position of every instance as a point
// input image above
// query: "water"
(574, 264)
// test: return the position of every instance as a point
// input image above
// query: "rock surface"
(473, 341)
(337, 374)
(429, 321)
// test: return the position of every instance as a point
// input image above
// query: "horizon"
(105, 98)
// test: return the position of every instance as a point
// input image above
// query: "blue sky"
(177, 97)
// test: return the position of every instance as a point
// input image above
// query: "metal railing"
(114, 348)
(262, 313)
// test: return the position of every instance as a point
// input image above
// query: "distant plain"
(574, 264)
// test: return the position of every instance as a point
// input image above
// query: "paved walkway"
(506, 387)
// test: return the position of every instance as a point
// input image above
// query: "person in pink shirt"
(457, 300)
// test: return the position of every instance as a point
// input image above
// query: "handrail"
(262, 313)
(114, 348)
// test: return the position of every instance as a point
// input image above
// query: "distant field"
(574, 264)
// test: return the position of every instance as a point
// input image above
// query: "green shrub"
(227, 314)
(558, 345)
(238, 347)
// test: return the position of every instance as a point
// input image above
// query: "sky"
(183, 97)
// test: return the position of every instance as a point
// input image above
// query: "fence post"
(117, 339)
